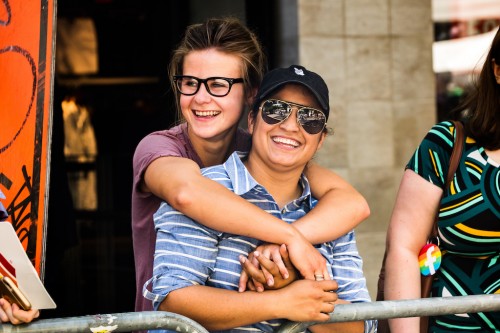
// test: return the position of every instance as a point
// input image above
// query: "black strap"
(455, 157)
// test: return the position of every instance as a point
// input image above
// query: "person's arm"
(221, 309)
(14, 314)
(187, 254)
(347, 327)
(339, 210)
(411, 221)
(179, 182)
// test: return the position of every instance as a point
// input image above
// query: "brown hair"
(481, 108)
(227, 35)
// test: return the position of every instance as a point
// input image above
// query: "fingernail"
(256, 253)
(270, 282)
(243, 259)
(286, 276)
(260, 289)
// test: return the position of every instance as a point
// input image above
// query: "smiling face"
(212, 118)
(285, 144)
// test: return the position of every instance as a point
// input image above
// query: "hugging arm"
(179, 182)
(340, 208)
(411, 222)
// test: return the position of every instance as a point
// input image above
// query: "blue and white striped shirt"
(188, 253)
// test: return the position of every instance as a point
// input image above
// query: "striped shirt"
(188, 253)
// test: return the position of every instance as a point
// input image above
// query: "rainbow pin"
(429, 259)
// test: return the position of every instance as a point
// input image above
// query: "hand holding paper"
(16, 267)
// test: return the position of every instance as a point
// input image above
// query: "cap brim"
(268, 91)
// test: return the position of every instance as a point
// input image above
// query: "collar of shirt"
(243, 181)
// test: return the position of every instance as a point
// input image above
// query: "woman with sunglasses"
(196, 267)
(216, 71)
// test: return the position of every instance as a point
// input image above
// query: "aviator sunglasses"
(275, 111)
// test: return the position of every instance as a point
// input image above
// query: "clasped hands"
(270, 267)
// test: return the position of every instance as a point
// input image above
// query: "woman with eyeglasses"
(216, 71)
(197, 268)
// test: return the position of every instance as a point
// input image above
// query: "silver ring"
(319, 277)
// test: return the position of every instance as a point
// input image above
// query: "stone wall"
(376, 56)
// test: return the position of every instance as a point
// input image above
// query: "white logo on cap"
(298, 71)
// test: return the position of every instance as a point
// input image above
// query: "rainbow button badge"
(429, 259)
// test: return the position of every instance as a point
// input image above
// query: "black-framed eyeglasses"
(275, 111)
(216, 86)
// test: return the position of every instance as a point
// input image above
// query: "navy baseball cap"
(294, 74)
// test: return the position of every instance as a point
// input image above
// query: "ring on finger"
(319, 277)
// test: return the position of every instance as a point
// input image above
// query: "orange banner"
(26, 81)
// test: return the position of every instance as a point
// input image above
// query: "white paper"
(26, 275)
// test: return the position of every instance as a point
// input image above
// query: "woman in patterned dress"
(469, 212)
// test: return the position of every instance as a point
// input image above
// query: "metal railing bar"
(132, 321)
(116, 322)
(432, 306)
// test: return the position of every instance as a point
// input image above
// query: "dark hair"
(481, 107)
(228, 35)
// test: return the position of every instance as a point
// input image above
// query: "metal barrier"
(116, 322)
(132, 321)
(433, 306)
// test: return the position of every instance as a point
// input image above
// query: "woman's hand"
(269, 267)
(308, 300)
(307, 259)
(14, 314)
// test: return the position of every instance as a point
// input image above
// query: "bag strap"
(455, 157)
(456, 154)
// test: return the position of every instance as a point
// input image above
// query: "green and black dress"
(469, 226)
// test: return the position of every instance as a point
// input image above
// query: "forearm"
(223, 210)
(347, 327)
(411, 222)
(402, 283)
(337, 213)
(179, 182)
(219, 309)
(350, 327)
(211, 204)
(340, 208)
